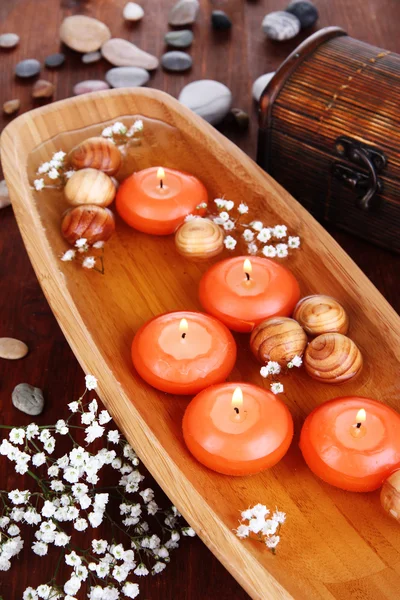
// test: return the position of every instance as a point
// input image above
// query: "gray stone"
(306, 13)
(281, 25)
(4, 195)
(182, 38)
(9, 40)
(260, 84)
(55, 60)
(127, 77)
(133, 12)
(121, 53)
(210, 99)
(176, 61)
(184, 12)
(91, 57)
(28, 68)
(220, 20)
(28, 399)
(90, 85)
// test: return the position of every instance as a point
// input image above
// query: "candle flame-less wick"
(247, 268)
(237, 400)
(183, 328)
(361, 416)
(161, 176)
(236, 410)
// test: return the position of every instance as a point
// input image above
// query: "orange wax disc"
(353, 456)
(237, 439)
(242, 302)
(183, 361)
(159, 205)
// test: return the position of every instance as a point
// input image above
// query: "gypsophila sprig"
(120, 134)
(79, 254)
(70, 499)
(258, 523)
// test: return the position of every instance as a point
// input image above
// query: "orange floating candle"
(237, 428)
(157, 200)
(183, 352)
(242, 292)
(352, 442)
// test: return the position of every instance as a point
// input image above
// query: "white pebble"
(133, 12)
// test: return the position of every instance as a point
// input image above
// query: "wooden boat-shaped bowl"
(335, 545)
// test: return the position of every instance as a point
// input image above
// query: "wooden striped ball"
(332, 358)
(199, 238)
(89, 186)
(321, 314)
(96, 153)
(94, 223)
(278, 339)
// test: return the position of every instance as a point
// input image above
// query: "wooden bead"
(278, 339)
(91, 222)
(199, 238)
(332, 358)
(321, 314)
(97, 153)
(390, 496)
(89, 186)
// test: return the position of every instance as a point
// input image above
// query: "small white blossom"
(89, 262)
(39, 459)
(13, 530)
(264, 235)
(269, 251)
(248, 235)
(68, 255)
(190, 217)
(99, 546)
(91, 382)
(279, 231)
(93, 432)
(40, 548)
(296, 361)
(32, 431)
(113, 436)
(95, 518)
(73, 406)
(44, 168)
(270, 527)
(256, 225)
(138, 125)
(293, 242)
(272, 541)
(53, 173)
(38, 184)
(98, 245)
(17, 436)
(243, 208)
(230, 242)
(141, 570)
(59, 156)
(256, 524)
(252, 248)
(158, 567)
(104, 417)
(30, 594)
(61, 539)
(279, 516)
(81, 243)
(18, 497)
(247, 514)
(276, 388)
(119, 128)
(188, 532)
(281, 250)
(224, 216)
(73, 559)
(72, 586)
(242, 531)
(61, 427)
(229, 204)
(220, 203)
(107, 132)
(229, 225)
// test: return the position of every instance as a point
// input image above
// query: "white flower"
(18, 497)
(138, 125)
(242, 531)
(53, 173)
(281, 250)
(4, 521)
(220, 203)
(81, 243)
(252, 248)
(89, 262)
(131, 590)
(147, 495)
(272, 541)
(224, 216)
(38, 184)
(81, 524)
(102, 569)
(270, 527)
(119, 128)
(17, 436)
(229, 204)
(32, 517)
(188, 532)
(40, 548)
(73, 406)
(107, 132)
(13, 530)
(120, 573)
(68, 255)
(87, 418)
(60, 155)
(49, 445)
(276, 388)
(293, 242)
(72, 586)
(17, 514)
(248, 235)
(256, 524)
(100, 501)
(264, 235)
(190, 217)
(269, 251)
(61, 539)
(32, 431)
(30, 594)
(141, 570)
(95, 518)
(279, 231)
(99, 546)
(44, 168)
(256, 225)
(57, 485)
(5, 564)
(273, 367)
(93, 406)
(48, 509)
(96, 593)
(113, 436)
(279, 516)
(39, 459)
(73, 559)
(229, 225)
(98, 245)
(230, 242)
(218, 221)
(104, 417)
(93, 432)
(44, 591)
(152, 508)
(247, 514)
(243, 208)
(158, 567)
(81, 572)
(61, 427)
(91, 382)
(296, 361)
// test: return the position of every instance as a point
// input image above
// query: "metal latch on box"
(373, 160)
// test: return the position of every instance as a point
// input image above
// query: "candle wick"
(236, 410)
(358, 425)
(161, 183)
(247, 276)
(183, 335)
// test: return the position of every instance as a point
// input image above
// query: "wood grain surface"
(194, 573)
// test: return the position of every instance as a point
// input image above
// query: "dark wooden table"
(236, 60)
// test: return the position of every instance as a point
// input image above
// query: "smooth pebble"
(127, 77)
(306, 13)
(28, 399)
(4, 195)
(12, 349)
(54, 60)
(184, 12)
(42, 89)
(281, 26)
(11, 106)
(133, 12)
(176, 61)
(260, 84)
(182, 38)
(220, 20)
(90, 85)
(84, 34)
(91, 57)
(122, 53)
(210, 99)
(28, 68)
(241, 118)
(9, 40)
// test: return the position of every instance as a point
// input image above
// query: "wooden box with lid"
(329, 133)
